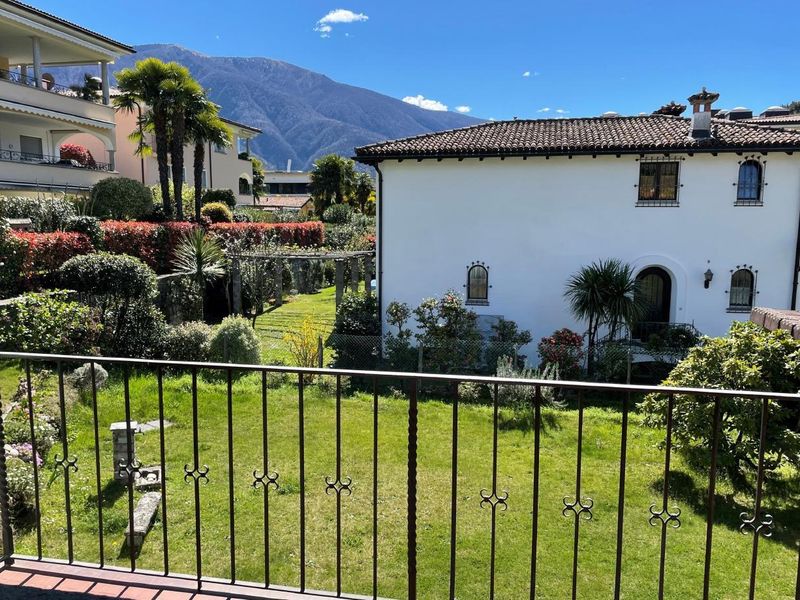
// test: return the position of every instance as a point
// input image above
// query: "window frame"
(658, 199)
(760, 185)
(740, 307)
(477, 301)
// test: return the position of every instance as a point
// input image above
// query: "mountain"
(303, 114)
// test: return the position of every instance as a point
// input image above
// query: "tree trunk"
(199, 159)
(176, 150)
(162, 150)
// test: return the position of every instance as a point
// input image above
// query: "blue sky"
(499, 58)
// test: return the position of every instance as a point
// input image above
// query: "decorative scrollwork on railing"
(66, 463)
(126, 471)
(665, 516)
(265, 480)
(338, 486)
(494, 499)
(578, 507)
(196, 473)
(759, 526)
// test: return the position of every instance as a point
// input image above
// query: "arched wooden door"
(655, 289)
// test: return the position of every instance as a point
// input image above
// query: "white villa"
(37, 114)
(707, 211)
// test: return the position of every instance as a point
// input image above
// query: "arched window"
(742, 292)
(478, 284)
(748, 190)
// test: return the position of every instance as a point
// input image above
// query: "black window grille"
(478, 284)
(750, 184)
(742, 290)
(658, 183)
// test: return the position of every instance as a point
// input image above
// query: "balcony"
(279, 481)
(16, 89)
(49, 172)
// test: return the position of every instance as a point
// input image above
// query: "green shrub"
(356, 331)
(12, 256)
(224, 196)
(121, 198)
(189, 342)
(46, 214)
(241, 216)
(104, 274)
(89, 226)
(49, 323)
(135, 330)
(217, 212)
(521, 396)
(338, 214)
(235, 341)
(748, 358)
(253, 215)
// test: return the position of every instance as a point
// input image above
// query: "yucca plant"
(201, 257)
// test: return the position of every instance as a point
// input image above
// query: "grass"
(601, 446)
(271, 326)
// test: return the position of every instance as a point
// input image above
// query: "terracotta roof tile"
(600, 135)
(284, 201)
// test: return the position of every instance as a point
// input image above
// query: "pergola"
(296, 257)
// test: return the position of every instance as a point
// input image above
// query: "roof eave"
(372, 158)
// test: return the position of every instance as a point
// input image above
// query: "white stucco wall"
(535, 222)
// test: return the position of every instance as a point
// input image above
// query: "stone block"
(143, 515)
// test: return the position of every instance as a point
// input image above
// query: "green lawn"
(685, 546)
(319, 308)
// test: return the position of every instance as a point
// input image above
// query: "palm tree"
(201, 257)
(604, 293)
(181, 92)
(203, 126)
(362, 188)
(144, 85)
(331, 181)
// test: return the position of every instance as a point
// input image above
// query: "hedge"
(46, 252)
(153, 243)
(309, 234)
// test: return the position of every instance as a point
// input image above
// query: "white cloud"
(526, 74)
(544, 109)
(340, 15)
(561, 111)
(463, 109)
(426, 103)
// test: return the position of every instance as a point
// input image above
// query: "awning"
(52, 114)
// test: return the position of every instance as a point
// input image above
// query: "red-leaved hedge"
(154, 243)
(133, 237)
(307, 235)
(45, 252)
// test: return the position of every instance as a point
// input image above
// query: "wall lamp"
(707, 277)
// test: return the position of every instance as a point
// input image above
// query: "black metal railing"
(34, 158)
(576, 505)
(62, 90)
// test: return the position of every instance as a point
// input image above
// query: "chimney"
(701, 120)
(289, 166)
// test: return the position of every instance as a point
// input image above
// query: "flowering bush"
(77, 153)
(565, 350)
(308, 234)
(46, 252)
(21, 490)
